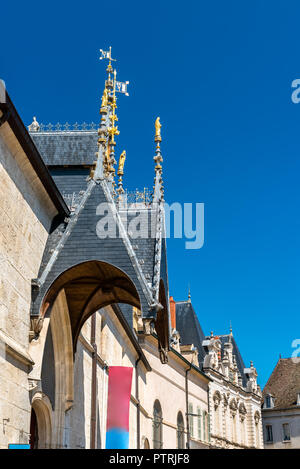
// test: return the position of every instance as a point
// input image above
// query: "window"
(204, 425)
(234, 428)
(157, 426)
(286, 432)
(180, 431)
(268, 402)
(269, 433)
(191, 419)
(199, 422)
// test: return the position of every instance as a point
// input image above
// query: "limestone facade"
(235, 409)
(54, 388)
(26, 215)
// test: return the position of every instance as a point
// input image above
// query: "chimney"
(173, 312)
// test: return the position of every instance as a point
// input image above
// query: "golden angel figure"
(157, 129)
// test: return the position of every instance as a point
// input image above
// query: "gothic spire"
(105, 165)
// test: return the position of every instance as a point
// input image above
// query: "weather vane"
(106, 55)
(120, 86)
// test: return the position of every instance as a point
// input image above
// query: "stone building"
(234, 396)
(29, 202)
(281, 406)
(75, 302)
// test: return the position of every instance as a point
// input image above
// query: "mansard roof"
(284, 383)
(189, 327)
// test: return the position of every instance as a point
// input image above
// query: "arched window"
(180, 431)
(157, 426)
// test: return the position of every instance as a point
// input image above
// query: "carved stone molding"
(36, 325)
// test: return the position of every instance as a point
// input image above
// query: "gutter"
(93, 443)
(138, 405)
(188, 443)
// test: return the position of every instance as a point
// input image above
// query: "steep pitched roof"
(284, 383)
(189, 327)
(77, 242)
(67, 155)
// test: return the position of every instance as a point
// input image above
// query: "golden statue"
(104, 98)
(157, 130)
(121, 163)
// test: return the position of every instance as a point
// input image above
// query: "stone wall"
(26, 215)
(167, 384)
(277, 418)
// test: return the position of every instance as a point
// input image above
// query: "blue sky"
(219, 75)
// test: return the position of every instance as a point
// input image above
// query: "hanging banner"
(118, 401)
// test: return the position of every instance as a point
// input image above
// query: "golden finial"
(104, 98)
(157, 130)
(122, 158)
(158, 158)
(121, 163)
(113, 130)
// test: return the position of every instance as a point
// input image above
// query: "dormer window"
(269, 402)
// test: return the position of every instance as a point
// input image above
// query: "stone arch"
(233, 405)
(42, 409)
(60, 327)
(217, 398)
(88, 287)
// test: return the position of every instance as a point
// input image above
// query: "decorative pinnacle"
(158, 158)
(189, 295)
(158, 183)
(157, 130)
(122, 158)
(230, 328)
(104, 102)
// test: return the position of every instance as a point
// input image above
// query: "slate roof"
(284, 383)
(68, 156)
(189, 328)
(66, 148)
(76, 150)
(82, 244)
(188, 325)
(12, 118)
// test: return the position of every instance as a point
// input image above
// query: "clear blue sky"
(219, 75)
